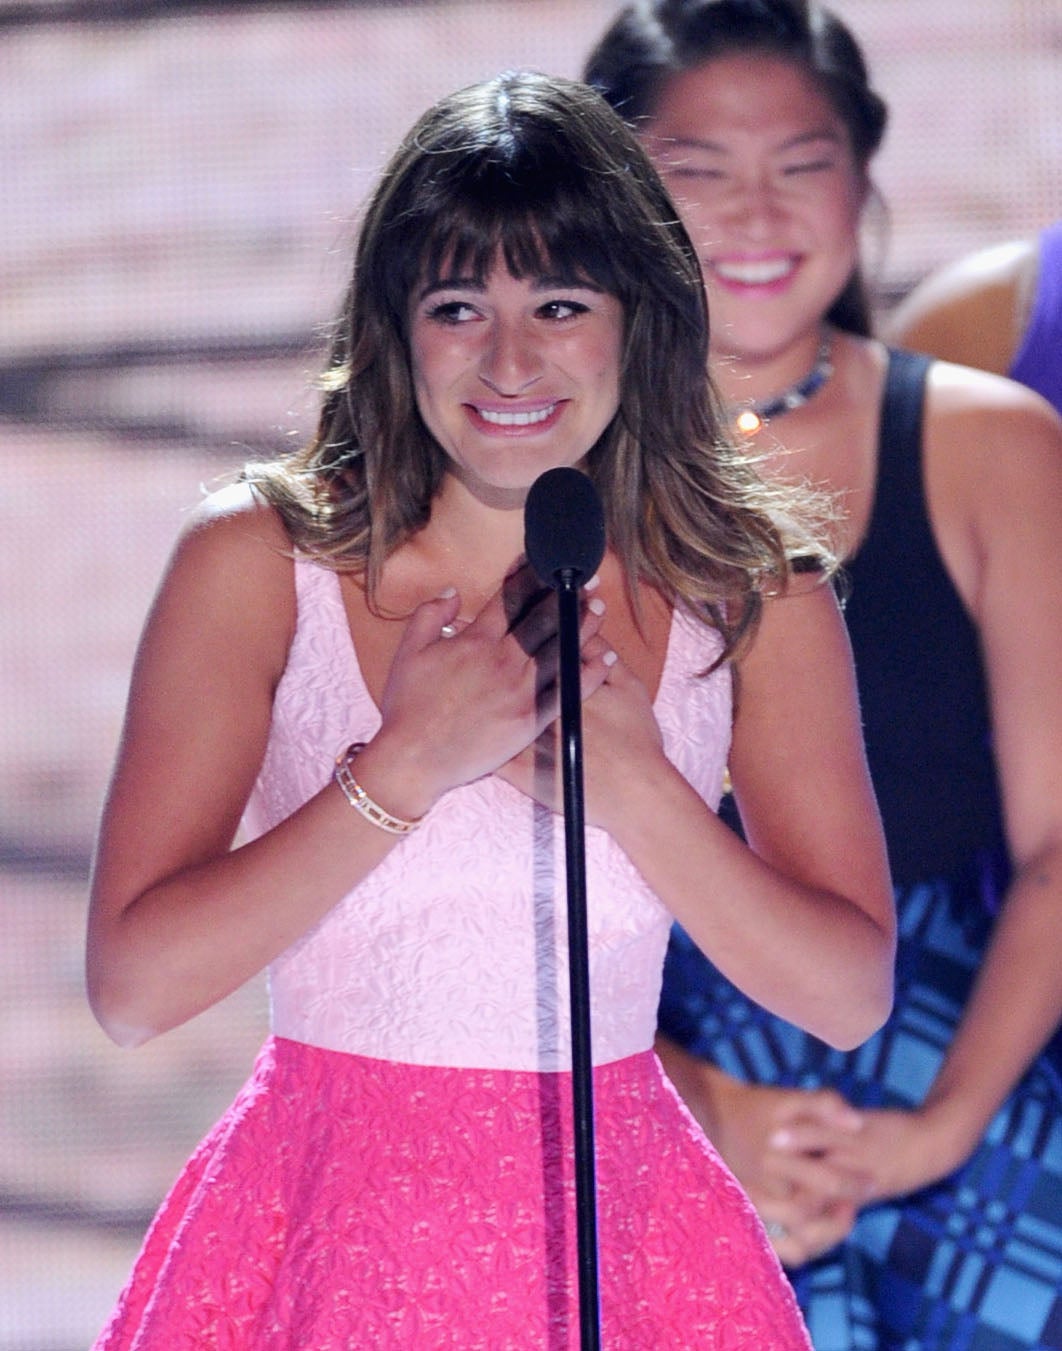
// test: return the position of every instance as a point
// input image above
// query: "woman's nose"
(511, 359)
(755, 204)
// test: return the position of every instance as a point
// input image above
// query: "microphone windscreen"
(564, 526)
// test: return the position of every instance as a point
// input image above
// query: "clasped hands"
(466, 698)
(808, 1160)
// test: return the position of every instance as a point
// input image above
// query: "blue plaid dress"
(974, 1262)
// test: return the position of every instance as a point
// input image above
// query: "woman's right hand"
(458, 707)
(807, 1205)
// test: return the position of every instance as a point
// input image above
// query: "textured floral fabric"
(971, 1263)
(398, 1170)
(346, 1202)
(468, 914)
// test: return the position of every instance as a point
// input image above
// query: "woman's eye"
(811, 166)
(694, 171)
(452, 312)
(562, 309)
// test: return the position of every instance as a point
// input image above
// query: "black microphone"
(564, 539)
(564, 527)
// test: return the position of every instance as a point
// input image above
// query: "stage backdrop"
(178, 185)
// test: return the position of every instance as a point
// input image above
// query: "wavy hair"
(651, 40)
(539, 173)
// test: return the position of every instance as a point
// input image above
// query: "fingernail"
(446, 593)
(610, 658)
(594, 581)
(596, 606)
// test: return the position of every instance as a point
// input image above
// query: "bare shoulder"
(236, 529)
(986, 437)
(993, 471)
(970, 311)
(976, 274)
(992, 409)
(238, 515)
(232, 573)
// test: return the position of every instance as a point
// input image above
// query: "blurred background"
(178, 186)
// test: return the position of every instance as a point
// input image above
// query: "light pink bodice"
(453, 951)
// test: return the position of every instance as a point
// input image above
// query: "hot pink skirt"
(345, 1202)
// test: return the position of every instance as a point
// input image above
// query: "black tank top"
(918, 664)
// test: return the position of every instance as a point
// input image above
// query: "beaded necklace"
(749, 417)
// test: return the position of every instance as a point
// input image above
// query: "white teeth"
(526, 419)
(755, 273)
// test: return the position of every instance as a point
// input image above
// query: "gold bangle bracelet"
(361, 801)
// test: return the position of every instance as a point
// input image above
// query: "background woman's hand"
(895, 1151)
(807, 1200)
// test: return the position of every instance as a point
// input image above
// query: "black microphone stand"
(578, 959)
(565, 538)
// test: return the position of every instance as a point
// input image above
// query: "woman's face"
(514, 376)
(762, 169)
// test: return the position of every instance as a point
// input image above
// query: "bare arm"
(995, 485)
(1001, 448)
(803, 920)
(176, 922)
(994, 452)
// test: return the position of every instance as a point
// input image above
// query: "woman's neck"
(746, 377)
(467, 543)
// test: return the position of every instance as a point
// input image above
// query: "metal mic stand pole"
(578, 959)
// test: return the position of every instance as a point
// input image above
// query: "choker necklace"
(751, 416)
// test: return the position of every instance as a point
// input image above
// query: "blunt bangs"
(530, 246)
(529, 210)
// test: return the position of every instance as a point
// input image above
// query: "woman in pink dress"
(348, 652)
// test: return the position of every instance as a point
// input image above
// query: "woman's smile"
(750, 274)
(515, 421)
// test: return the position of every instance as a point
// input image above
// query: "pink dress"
(397, 1172)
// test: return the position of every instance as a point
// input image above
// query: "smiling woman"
(333, 655)
(885, 1175)
(772, 198)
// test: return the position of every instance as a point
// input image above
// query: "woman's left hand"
(896, 1152)
(619, 733)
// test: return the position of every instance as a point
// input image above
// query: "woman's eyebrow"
(691, 143)
(545, 283)
(553, 281)
(808, 137)
(451, 284)
(798, 139)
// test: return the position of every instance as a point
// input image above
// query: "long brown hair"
(539, 172)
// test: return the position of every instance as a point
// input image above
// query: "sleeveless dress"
(397, 1172)
(974, 1262)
